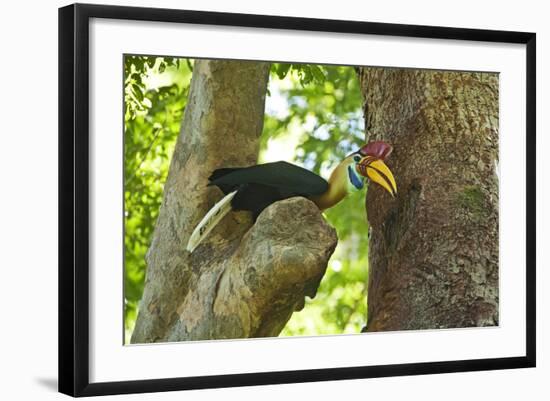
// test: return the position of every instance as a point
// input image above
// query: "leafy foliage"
(136, 71)
(328, 110)
(152, 120)
(313, 117)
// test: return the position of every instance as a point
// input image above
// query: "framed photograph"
(251, 199)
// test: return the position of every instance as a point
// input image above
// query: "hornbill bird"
(256, 187)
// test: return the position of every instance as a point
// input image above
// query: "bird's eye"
(357, 158)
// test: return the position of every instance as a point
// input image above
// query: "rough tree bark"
(244, 280)
(434, 249)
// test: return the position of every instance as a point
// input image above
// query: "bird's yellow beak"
(378, 172)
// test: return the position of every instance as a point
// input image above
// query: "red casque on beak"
(372, 165)
(378, 149)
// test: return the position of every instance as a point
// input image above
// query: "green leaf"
(317, 73)
(138, 92)
(282, 70)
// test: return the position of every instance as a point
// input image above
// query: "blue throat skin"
(355, 180)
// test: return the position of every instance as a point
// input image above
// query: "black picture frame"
(74, 198)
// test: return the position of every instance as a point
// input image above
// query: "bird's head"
(369, 163)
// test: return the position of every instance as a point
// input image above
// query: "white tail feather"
(210, 220)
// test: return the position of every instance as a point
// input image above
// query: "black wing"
(284, 176)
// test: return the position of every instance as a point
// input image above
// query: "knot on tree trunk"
(247, 286)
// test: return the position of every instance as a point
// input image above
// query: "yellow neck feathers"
(337, 186)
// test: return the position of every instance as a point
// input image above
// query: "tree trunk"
(434, 250)
(242, 281)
